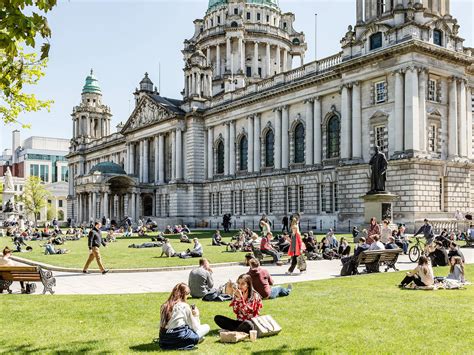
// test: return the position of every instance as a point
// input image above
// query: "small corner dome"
(146, 84)
(92, 85)
(108, 168)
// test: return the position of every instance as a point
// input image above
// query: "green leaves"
(35, 196)
(22, 24)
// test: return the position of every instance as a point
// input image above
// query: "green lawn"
(362, 314)
(117, 255)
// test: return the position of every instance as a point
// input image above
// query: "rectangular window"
(244, 204)
(248, 15)
(232, 202)
(331, 199)
(432, 90)
(60, 203)
(323, 198)
(44, 173)
(261, 197)
(285, 199)
(290, 199)
(219, 20)
(219, 201)
(432, 138)
(249, 72)
(380, 92)
(64, 173)
(268, 19)
(34, 170)
(380, 138)
(380, 7)
(336, 199)
(236, 11)
(301, 199)
(258, 16)
(270, 200)
(318, 198)
(441, 194)
(167, 205)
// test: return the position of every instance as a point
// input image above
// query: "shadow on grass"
(284, 349)
(72, 348)
(146, 348)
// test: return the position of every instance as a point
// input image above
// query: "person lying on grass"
(180, 326)
(263, 282)
(421, 276)
(246, 305)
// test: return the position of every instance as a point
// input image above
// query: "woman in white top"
(422, 275)
(180, 327)
(457, 269)
(385, 232)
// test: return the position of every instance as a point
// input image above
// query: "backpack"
(30, 288)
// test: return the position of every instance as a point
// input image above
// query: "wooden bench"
(10, 274)
(373, 259)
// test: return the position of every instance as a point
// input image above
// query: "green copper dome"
(216, 3)
(92, 85)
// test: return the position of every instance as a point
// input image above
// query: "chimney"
(15, 145)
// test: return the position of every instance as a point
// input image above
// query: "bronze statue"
(379, 163)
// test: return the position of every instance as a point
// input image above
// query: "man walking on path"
(94, 243)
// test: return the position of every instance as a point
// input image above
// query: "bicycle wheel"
(414, 253)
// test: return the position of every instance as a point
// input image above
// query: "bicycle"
(416, 250)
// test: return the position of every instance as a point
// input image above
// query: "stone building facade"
(251, 135)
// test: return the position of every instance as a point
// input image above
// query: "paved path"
(144, 282)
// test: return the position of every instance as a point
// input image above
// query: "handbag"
(301, 263)
(266, 326)
(232, 337)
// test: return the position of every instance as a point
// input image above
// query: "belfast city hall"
(259, 130)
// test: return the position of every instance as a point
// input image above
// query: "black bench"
(10, 274)
(373, 259)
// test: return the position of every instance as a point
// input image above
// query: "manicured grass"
(362, 314)
(119, 256)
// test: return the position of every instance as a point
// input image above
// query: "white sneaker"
(303, 272)
(288, 273)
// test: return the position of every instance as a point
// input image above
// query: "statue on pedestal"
(8, 180)
(379, 164)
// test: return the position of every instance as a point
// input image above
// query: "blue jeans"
(273, 254)
(278, 291)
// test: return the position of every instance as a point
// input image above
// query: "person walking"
(94, 243)
(296, 248)
(284, 223)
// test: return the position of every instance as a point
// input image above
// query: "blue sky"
(121, 40)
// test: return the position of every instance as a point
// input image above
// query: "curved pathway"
(164, 281)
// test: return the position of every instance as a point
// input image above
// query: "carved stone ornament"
(148, 113)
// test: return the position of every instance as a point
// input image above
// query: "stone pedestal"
(379, 205)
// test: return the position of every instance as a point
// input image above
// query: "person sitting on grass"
(377, 244)
(344, 248)
(310, 242)
(238, 243)
(168, 230)
(167, 249)
(186, 229)
(331, 238)
(217, 239)
(421, 276)
(267, 249)
(183, 238)
(196, 252)
(128, 231)
(255, 241)
(200, 279)
(455, 251)
(456, 272)
(438, 255)
(180, 326)
(246, 305)
(263, 282)
(50, 250)
(110, 236)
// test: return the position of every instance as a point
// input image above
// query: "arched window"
(376, 41)
(269, 148)
(296, 41)
(299, 143)
(243, 153)
(220, 157)
(438, 37)
(234, 24)
(333, 137)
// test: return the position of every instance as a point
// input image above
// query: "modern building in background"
(44, 157)
(251, 135)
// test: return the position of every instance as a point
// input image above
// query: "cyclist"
(427, 231)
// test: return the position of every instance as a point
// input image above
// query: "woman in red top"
(246, 305)
(374, 230)
(296, 247)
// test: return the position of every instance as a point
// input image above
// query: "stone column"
(367, 8)
(140, 162)
(256, 143)
(309, 140)
(469, 121)
(317, 131)
(285, 60)
(193, 84)
(255, 60)
(356, 121)
(157, 160)
(345, 123)
(242, 55)
(173, 155)
(250, 143)
(226, 149)
(277, 160)
(232, 148)
(268, 61)
(359, 12)
(462, 118)
(134, 207)
(161, 159)
(218, 60)
(423, 128)
(129, 160)
(92, 206)
(412, 110)
(453, 119)
(198, 84)
(146, 157)
(105, 204)
(301, 59)
(278, 60)
(179, 154)
(210, 153)
(126, 205)
(79, 208)
(399, 110)
(228, 55)
(208, 55)
(285, 121)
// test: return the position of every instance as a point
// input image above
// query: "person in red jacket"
(263, 282)
(296, 248)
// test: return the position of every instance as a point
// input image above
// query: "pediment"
(379, 114)
(147, 112)
(434, 112)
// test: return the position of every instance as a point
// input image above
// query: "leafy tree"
(22, 23)
(35, 196)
